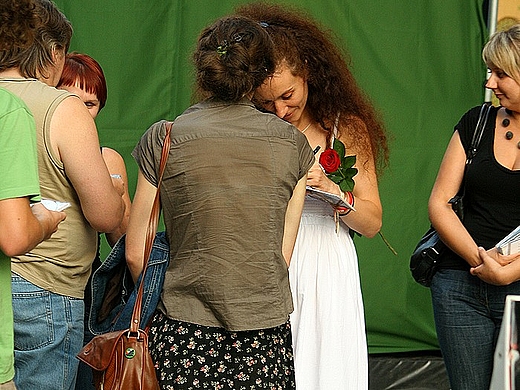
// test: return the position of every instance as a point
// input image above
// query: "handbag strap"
(479, 130)
(475, 141)
(151, 229)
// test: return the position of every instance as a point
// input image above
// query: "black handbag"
(427, 255)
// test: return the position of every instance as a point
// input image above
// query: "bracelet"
(347, 197)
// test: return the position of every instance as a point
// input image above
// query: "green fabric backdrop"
(418, 60)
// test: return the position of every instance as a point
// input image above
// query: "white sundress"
(328, 326)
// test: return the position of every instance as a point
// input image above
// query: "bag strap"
(479, 130)
(475, 141)
(151, 230)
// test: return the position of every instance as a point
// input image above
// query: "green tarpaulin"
(419, 61)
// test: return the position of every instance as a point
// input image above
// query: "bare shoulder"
(112, 158)
(72, 107)
(72, 104)
(72, 129)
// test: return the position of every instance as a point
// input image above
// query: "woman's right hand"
(316, 178)
(118, 183)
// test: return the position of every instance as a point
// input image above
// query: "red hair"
(85, 71)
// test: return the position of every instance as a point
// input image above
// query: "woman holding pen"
(313, 89)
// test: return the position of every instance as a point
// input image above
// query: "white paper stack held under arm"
(510, 244)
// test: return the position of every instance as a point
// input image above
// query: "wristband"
(348, 197)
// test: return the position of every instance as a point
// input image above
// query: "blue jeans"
(48, 333)
(468, 315)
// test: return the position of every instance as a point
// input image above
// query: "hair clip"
(222, 49)
(237, 37)
(264, 24)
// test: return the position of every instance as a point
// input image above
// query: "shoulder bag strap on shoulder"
(479, 130)
(150, 233)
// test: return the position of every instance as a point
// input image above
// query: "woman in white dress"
(314, 90)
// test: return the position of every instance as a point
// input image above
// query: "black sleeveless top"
(492, 195)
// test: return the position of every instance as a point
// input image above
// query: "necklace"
(306, 127)
(509, 134)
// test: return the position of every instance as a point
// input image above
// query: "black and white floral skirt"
(191, 356)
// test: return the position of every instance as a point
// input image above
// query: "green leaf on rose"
(343, 176)
(348, 161)
(339, 147)
(346, 185)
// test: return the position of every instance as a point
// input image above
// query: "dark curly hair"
(334, 96)
(233, 57)
(18, 23)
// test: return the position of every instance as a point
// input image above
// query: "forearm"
(491, 271)
(105, 214)
(113, 236)
(138, 225)
(117, 169)
(134, 255)
(292, 219)
(366, 220)
(453, 233)
(21, 239)
(20, 230)
(511, 272)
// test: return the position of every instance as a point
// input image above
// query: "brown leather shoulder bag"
(121, 360)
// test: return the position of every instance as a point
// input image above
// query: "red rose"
(330, 160)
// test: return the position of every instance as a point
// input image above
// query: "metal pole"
(492, 27)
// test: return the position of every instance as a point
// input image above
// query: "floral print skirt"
(191, 356)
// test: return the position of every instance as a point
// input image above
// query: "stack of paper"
(332, 199)
(510, 244)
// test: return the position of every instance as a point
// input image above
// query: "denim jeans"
(48, 333)
(85, 379)
(468, 315)
(121, 314)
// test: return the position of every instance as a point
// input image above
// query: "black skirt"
(191, 356)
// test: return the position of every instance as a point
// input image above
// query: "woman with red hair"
(83, 76)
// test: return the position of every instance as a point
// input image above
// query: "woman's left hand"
(504, 259)
(496, 269)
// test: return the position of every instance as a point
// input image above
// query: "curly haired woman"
(313, 89)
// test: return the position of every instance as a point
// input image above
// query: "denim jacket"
(114, 269)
